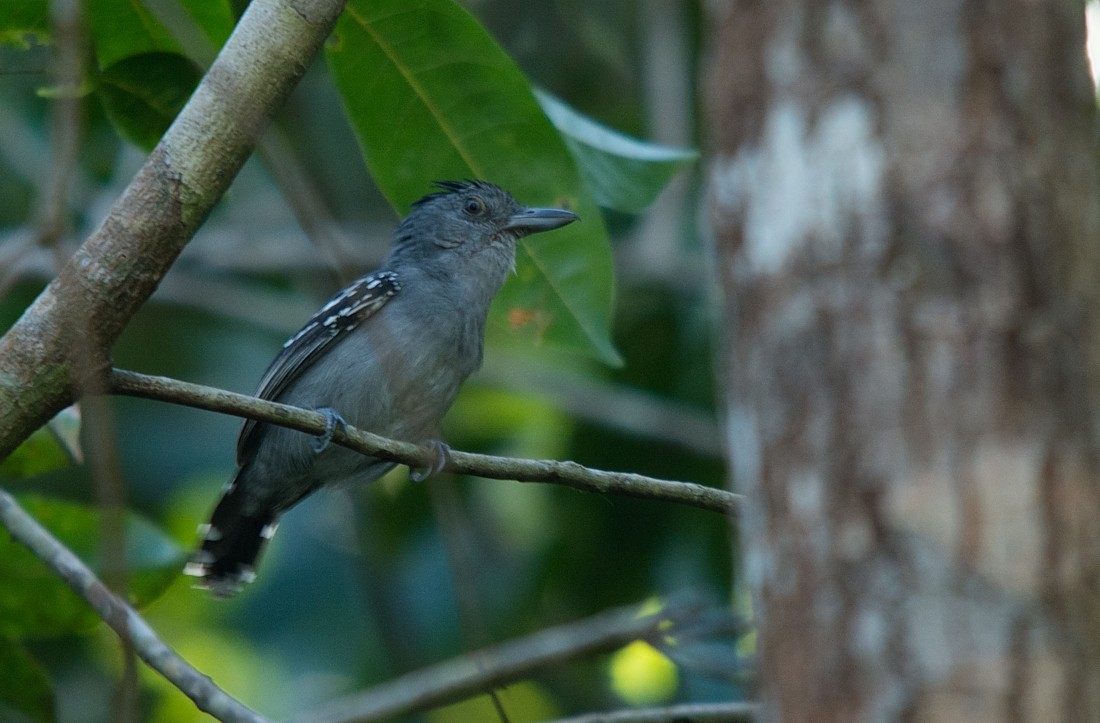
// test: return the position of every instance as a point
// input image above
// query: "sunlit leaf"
(431, 96)
(642, 675)
(79, 90)
(25, 692)
(142, 94)
(623, 173)
(35, 602)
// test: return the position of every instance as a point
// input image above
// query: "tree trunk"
(904, 197)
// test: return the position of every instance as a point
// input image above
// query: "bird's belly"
(395, 391)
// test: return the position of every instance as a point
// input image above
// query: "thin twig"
(731, 712)
(499, 665)
(130, 626)
(455, 525)
(66, 127)
(110, 490)
(307, 202)
(568, 474)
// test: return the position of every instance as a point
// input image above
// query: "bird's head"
(470, 223)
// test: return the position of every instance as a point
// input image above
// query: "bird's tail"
(232, 542)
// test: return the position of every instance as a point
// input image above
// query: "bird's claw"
(332, 420)
(442, 457)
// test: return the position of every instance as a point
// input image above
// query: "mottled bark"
(904, 197)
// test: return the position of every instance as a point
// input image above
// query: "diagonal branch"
(568, 474)
(118, 267)
(730, 712)
(499, 665)
(130, 626)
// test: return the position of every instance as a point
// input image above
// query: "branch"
(493, 667)
(116, 270)
(732, 712)
(568, 474)
(130, 626)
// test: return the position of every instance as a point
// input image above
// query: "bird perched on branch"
(387, 354)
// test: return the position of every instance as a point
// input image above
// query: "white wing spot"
(195, 569)
(304, 330)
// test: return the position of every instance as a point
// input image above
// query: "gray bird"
(387, 354)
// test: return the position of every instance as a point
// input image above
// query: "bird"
(388, 354)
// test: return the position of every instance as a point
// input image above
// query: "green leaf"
(35, 602)
(123, 28)
(25, 692)
(623, 173)
(215, 17)
(430, 97)
(142, 94)
(51, 447)
(23, 20)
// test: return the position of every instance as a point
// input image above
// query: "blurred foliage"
(34, 602)
(642, 675)
(363, 584)
(525, 702)
(24, 22)
(25, 692)
(142, 94)
(50, 448)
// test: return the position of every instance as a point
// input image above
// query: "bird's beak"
(536, 220)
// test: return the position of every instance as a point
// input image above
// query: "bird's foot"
(332, 420)
(442, 457)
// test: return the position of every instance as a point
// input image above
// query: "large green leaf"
(122, 29)
(143, 93)
(623, 173)
(25, 692)
(146, 76)
(430, 96)
(35, 602)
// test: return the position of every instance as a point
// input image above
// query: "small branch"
(568, 474)
(130, 626)
(732, 712)
(110, 491)
(70, 49)
(307, 202)
(493, 667)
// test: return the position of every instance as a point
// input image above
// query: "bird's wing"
(342, 313)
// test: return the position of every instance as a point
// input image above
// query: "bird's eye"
(474, 206)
